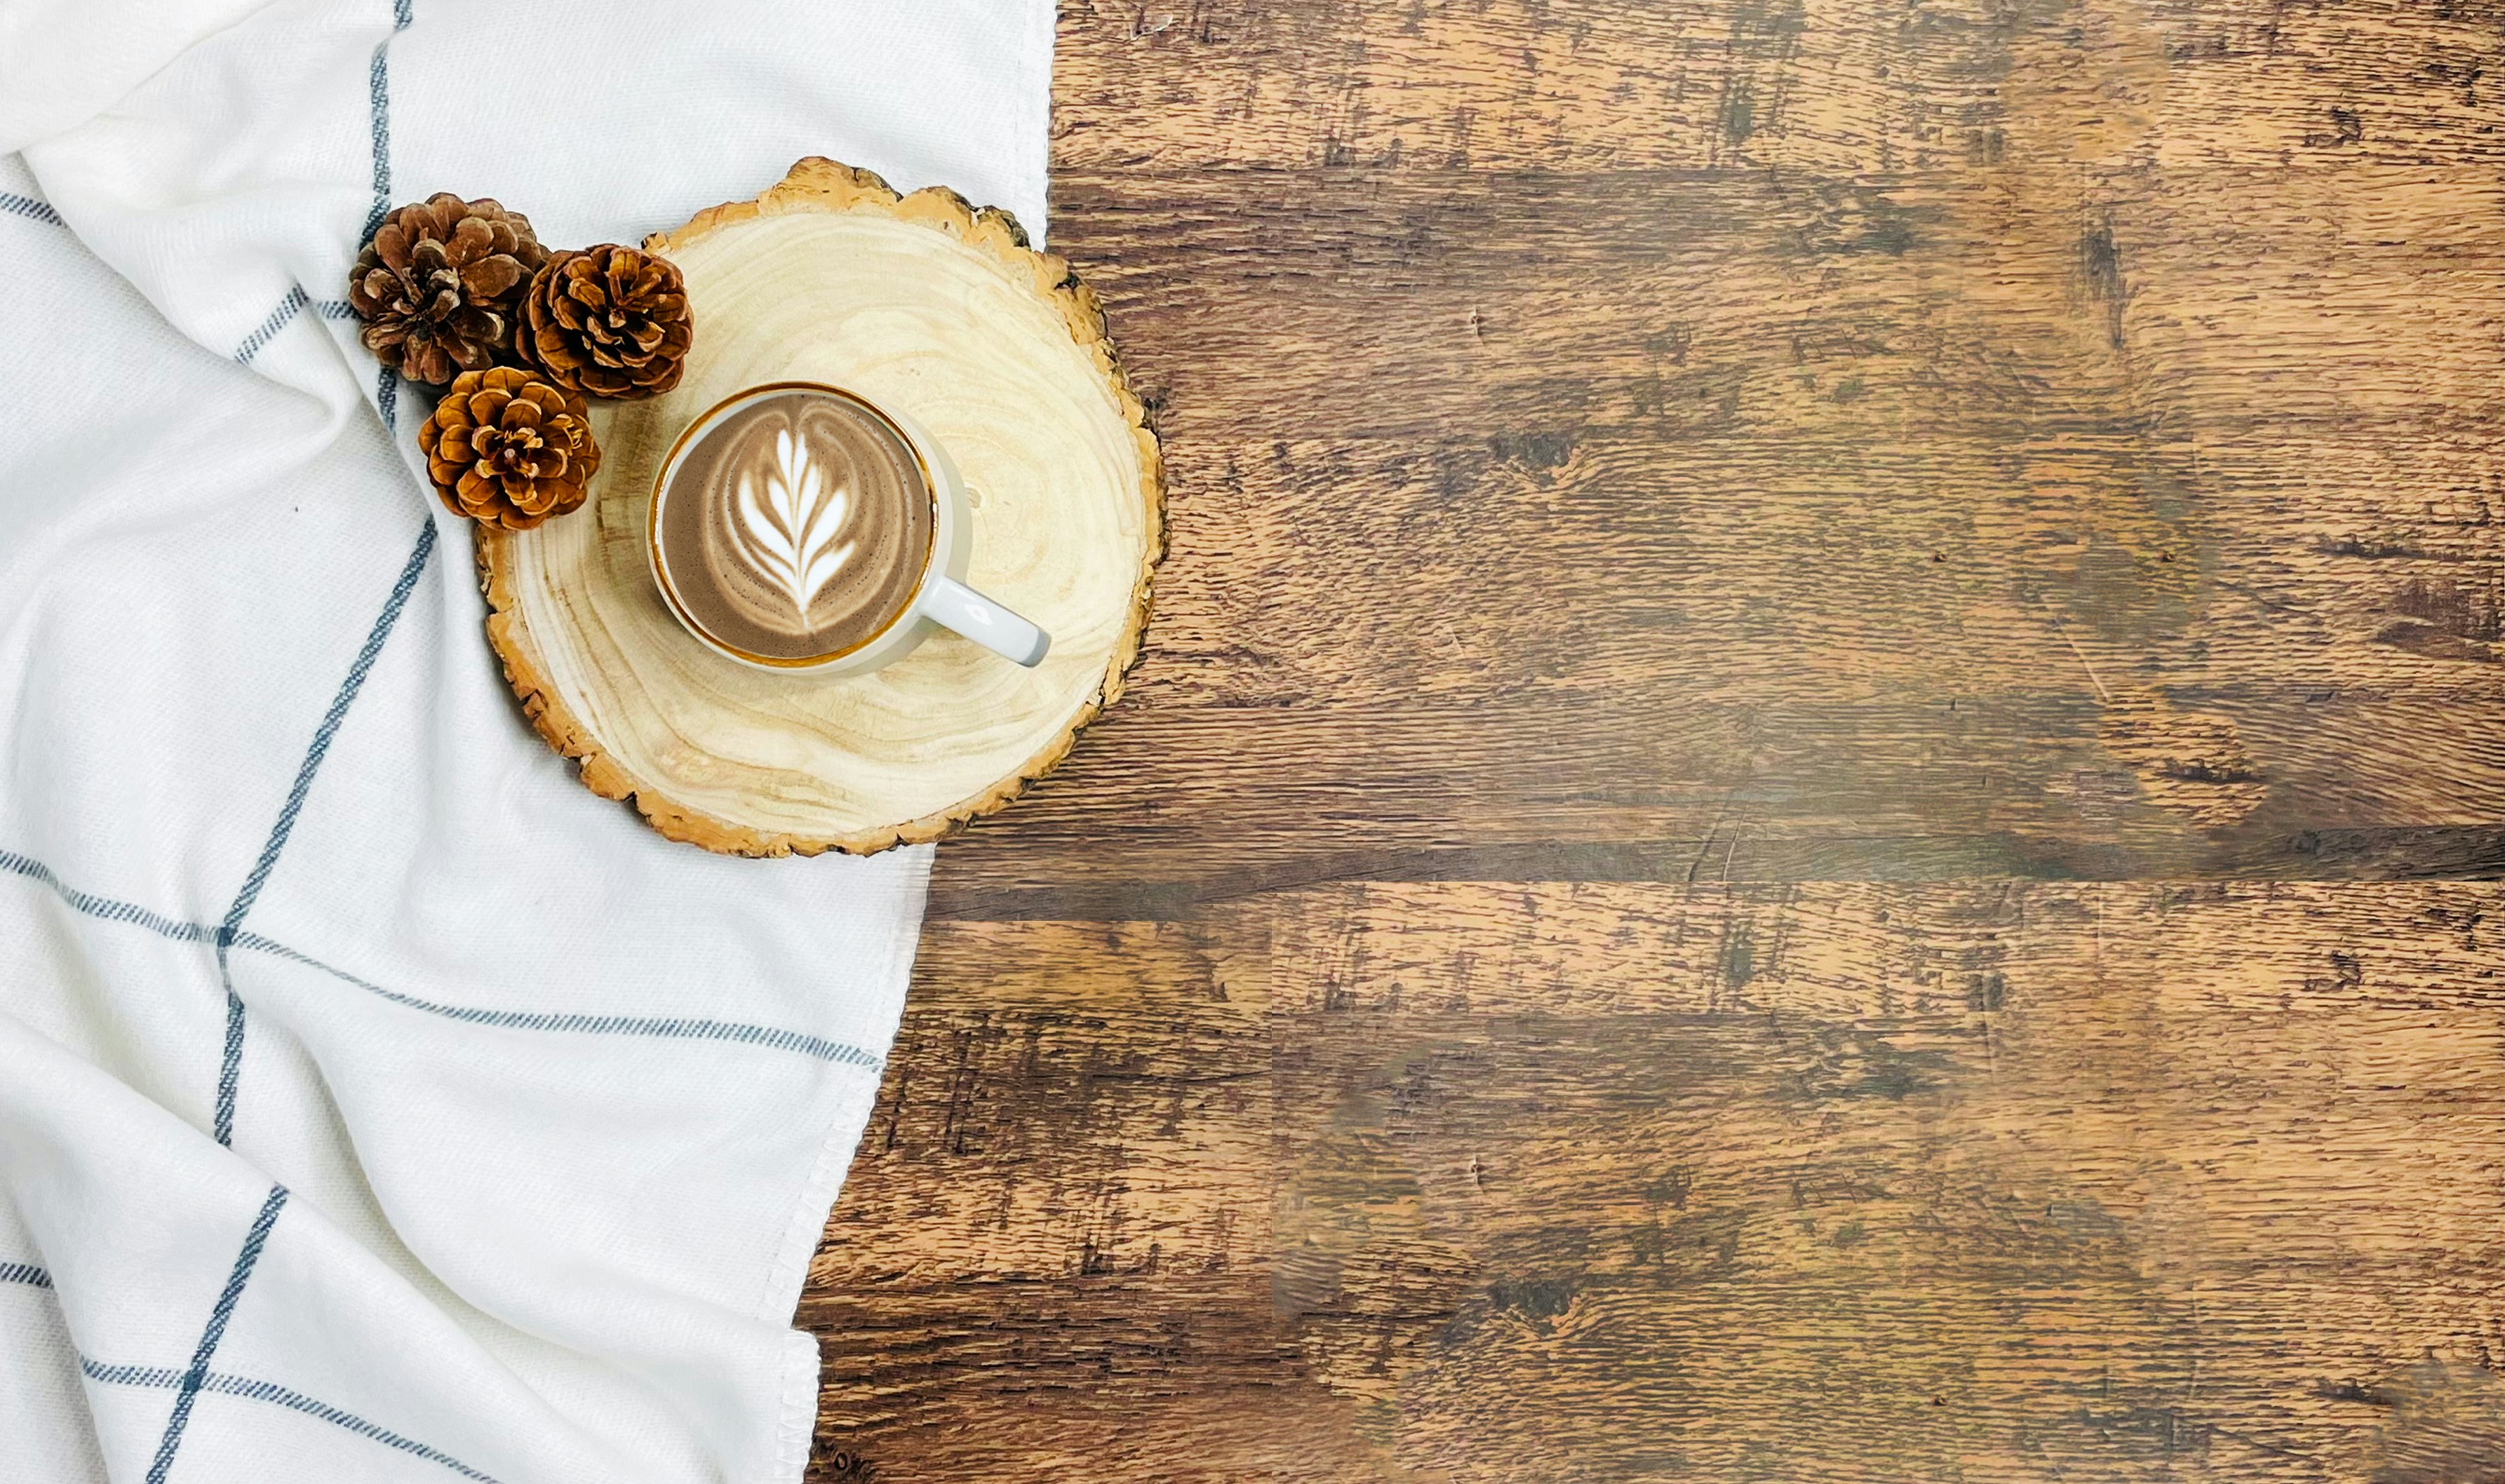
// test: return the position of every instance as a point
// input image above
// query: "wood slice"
(943, 312)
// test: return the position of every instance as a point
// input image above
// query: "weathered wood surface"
(1692, 528)
(1607, 1180)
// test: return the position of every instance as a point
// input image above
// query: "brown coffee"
(796, 527)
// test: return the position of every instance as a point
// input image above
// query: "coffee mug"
(799, 526)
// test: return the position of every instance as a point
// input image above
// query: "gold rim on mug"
(661, 561)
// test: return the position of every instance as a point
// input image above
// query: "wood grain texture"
(1781, 819)
(1630, 1180)
(1773, 519)
(2056, 439)
(943, 313)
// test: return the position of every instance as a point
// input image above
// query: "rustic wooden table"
(1815, 795)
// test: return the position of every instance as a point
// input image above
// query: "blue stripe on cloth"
(379, 85)
(387, 399)
(231, 1063)
(334, 308)
(27, 1273)
(198, 1373)
(229, 1055)
(664, 1026)
(163, 1377)
(378, 90)
(279, 1396)
(105, 907)
(279, 318)
(30, 208)
(250, 1389)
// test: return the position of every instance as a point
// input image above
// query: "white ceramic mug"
(941, 599)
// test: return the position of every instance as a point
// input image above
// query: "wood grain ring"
(940, 309)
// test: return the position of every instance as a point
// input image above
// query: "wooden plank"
(1749, 384)
(1077, 1156)
(2121, 535)
(1833, 88)
(1492, 1182)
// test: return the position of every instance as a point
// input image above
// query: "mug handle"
(954, 606)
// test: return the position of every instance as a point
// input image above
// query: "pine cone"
(509, 449)
(440, 286)
(609, 322)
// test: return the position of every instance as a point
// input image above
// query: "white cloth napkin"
(376, 1102)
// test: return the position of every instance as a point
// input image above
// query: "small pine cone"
(609, 321)
(506, 448)
(440, 286)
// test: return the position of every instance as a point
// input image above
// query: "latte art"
(789, 534)
(796, 527)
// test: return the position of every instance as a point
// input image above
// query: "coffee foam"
(796, 527)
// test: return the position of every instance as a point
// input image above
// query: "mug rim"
(660, 564)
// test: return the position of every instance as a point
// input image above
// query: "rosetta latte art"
(790, 534)
(796, 527)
